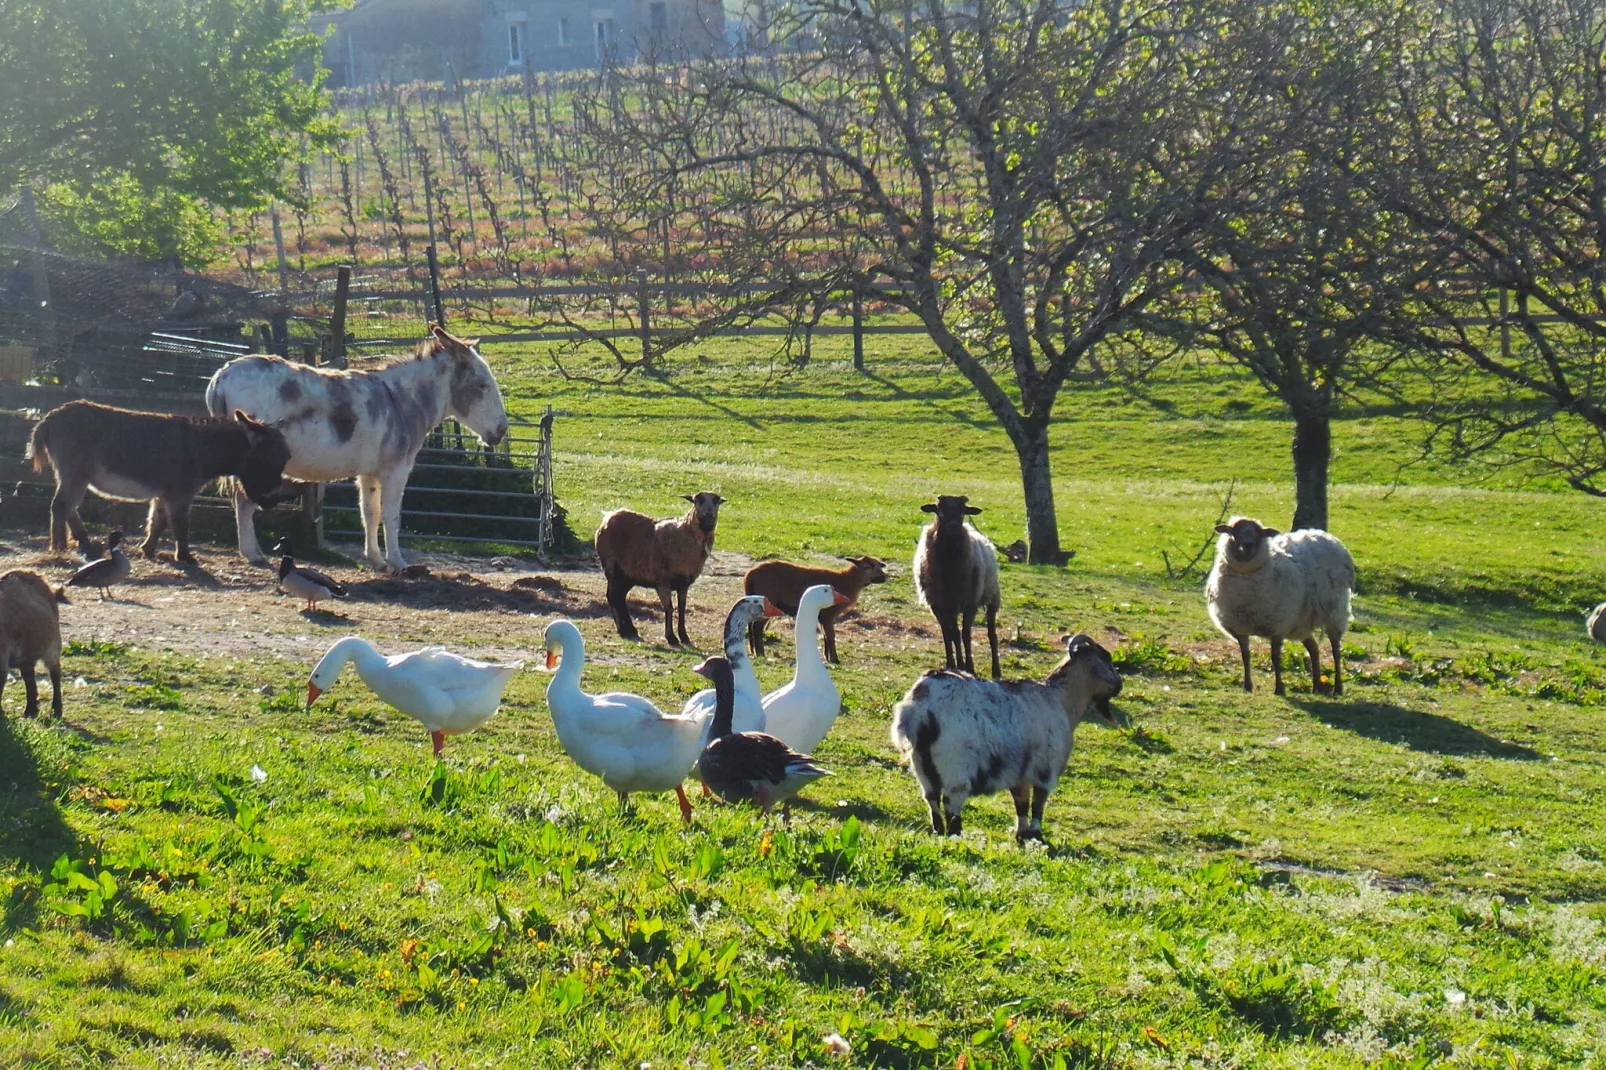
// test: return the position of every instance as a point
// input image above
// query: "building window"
(515, 44)
(604, 36)
(658, 15)
(563, 31)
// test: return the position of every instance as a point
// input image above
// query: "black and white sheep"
(964, 736)
(1281, 586)
(30, 632)
(667, 555)
(956, 573)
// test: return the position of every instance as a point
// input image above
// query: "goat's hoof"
(185, 559)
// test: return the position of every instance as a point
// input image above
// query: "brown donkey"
(148, 456)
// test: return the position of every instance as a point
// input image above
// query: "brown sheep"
(666, 555)
(30, 631)
(783, 583)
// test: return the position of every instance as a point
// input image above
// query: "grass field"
(1413, 875)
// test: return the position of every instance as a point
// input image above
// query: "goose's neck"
(358, 652)
(724, 707)
(809, 661)
(572, 658)
(736, 646)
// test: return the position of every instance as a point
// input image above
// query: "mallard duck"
(111, 569)
(749, 766)
(446, 693)
(748, 700)
(622, 738)
(801, 712)
(304, 582)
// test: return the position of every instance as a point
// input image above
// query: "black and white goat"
(963, 736)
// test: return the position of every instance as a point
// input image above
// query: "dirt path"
(494, 607)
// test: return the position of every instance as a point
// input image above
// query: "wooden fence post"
(646, 318)
(44, 309)
(312, 493)
(858, 330)
(337, 322)
(435, 285)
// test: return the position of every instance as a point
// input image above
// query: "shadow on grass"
(1428, 732)
(32, 829)
(725, 410)
(464, 593)
(930, 399)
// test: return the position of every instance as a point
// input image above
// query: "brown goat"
(667, 555)
(30, 632)
(783, 583)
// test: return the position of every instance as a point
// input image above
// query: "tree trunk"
(1042, 526)
(1313, 449)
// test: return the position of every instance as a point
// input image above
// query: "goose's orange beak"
(313, 691)
(839, 599)
(551, 660)
(770, 610)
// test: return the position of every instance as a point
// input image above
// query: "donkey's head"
(261, 469)
(475, 399)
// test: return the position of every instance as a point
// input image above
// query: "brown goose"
(303, 582)
(111, 569)
(749, 766)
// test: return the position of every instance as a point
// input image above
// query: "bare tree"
(1300, 261)
(1508, 175)
(985, 165)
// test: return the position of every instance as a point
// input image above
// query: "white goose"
(622, 738)
(447, 693)
(749, 701)
(800, 713)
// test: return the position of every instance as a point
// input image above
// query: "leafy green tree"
(137, 119)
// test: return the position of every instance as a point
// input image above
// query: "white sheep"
(956, 573)
(1282, 587)
(1596, 624)
(30, 632)
(964, 736)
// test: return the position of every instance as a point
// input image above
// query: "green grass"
(1409, 876)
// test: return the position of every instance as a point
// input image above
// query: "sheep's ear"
(61, 596)
(689, 498)
(1223, 529)
(971, 510)
(1269, 532)
(929, 507)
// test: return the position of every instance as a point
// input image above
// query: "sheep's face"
(706, 505)
(873, 570)
(1245, 539)
(1083, 653)
(951, 509)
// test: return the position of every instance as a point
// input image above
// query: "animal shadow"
(1427, 732)
(466, 593)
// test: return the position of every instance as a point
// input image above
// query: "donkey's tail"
(38, 450)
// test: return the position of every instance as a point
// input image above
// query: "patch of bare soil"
(492, 607)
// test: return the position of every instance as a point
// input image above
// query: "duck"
(304, 582)
(749, 766)
(749, 700)
(445, 692)
(624, 739)
(801, 712)
(112, 569)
